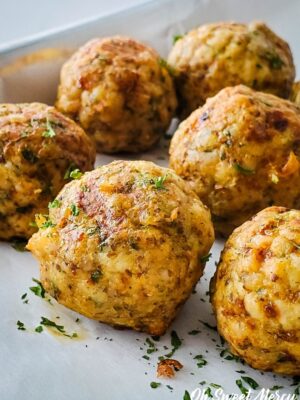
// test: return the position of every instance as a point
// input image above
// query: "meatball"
(223, 54)
(240, 152)
(121, 93)
(295, 95)
(255, 291)
(38, 146)
(125, 245)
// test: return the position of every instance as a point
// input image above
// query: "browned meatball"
(240, 152)
(120, 91)
(222, 54)
(38, 146)
(255, 291)
(125, 245)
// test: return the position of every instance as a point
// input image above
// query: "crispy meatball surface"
(37, 146)
(125, 245)
(240, 152)
(120, 91)
(295, 95)
(255, 291)
(223, 54)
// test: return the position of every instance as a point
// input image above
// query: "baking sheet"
(104, 363)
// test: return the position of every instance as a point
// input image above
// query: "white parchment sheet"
(104, 363)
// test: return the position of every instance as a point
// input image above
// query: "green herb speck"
(243, 170)
(49, 132)
(38, 290)
(176, 38)
(155, 385)
(54, 204)
(76, 174)
(21, 326)
(96, 275)
(74, 210)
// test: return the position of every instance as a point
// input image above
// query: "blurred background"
(20, 19)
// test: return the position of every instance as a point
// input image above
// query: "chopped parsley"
(54, 204)
(213, 328)
(151, 346)
(19, 244)
(200, 361)
(38, 290)
(74, 210)
(243, 170)
(175, 342)
(49, 132)
(163, 63)
(60, 328)
(186, 396)
(96, 275)
(72, 172)
(47, 221)
(155, 385)
(177, 37)
(215, 385)
(251, 382)
(275, 62)
(39, 329)
(242, 388)
(21, 326)
(208, 392)
(159, 182)
(193, 332)
(47, 322)
(227, 355)
(275, 387)
(205, 258)
(75, 174)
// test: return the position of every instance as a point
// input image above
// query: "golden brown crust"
(255, 291)
(217, 55)
(120, 91)
(295, 94)
(139, 230)
(240, 153)
(37, 145)
(167, 368)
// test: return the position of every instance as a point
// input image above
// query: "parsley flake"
(76, 174)
(243, 170)
(21, 326)
(163, 63)
(186, 395)
(176, 38)
(205, 258)
(159, 182)
(74, 210)
(200, 361)
(19, 244)
(251, 382)
(49, 132)
(38, 290)
(54, 204)
(155, 385)
(242, 388)
(96, 275)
